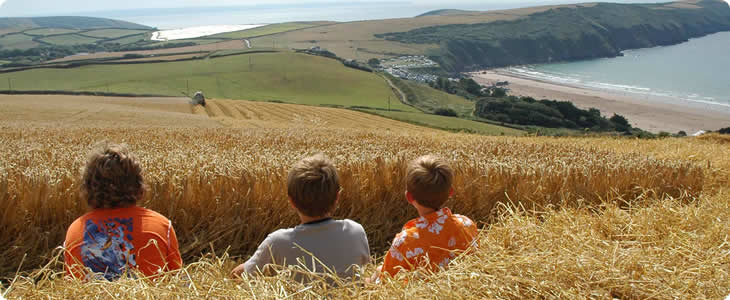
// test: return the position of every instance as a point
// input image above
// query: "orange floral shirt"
(430, 241)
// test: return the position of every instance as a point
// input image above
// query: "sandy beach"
(655, 115)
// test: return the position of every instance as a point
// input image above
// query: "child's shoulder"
(350, 223)
(464, 220)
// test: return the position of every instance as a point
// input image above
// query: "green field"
(129, 40)
(50, 31)
(284, 76)
(266, 30)
(17, 41)
(69, 40)
(446, 123)
(430, 99)
(112, 33)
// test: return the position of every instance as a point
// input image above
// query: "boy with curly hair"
(118, 236)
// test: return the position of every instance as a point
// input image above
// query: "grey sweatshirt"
(336, 244)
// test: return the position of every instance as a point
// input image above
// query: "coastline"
(654, 115)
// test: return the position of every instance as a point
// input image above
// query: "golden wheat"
(217, 185)
(561, 218)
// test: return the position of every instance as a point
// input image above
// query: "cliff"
(569, 33)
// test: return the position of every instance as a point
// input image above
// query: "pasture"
(287, 77)
(446, 123)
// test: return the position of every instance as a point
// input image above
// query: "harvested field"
(115, 112)
(89, 111)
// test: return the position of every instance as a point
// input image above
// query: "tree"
(620, 122)
(724, 130)
(471, 86)
(374, 62)
(497, 92)
(448, 112)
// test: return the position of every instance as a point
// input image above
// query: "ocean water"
(696, 72)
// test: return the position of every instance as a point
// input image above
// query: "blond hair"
(429, 180)
(313, 185)
(112, 177)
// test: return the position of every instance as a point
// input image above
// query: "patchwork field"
(227, 45)
(564, 218)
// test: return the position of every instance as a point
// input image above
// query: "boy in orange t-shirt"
(437, 236)
(118, 236)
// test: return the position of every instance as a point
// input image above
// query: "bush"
(545, 113)
(132, 56)
(725, 130)
(374, 62)
(448, 112)
(620, 122)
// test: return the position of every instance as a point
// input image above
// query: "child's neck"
(307, 219)
(424, 211)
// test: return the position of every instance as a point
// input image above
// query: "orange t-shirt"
(438, 236)
(112, 241)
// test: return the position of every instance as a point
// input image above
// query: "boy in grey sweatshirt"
(319, 244)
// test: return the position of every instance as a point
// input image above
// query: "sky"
(64, 7)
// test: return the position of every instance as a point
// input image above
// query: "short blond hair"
(429, 179)
(313, 185)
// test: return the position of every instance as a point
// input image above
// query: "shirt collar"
(429, 217)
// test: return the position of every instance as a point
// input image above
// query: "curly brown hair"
(112, 177)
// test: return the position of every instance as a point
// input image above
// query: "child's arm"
(262, 257)
(174, 260)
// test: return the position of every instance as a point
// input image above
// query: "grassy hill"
(284, 76)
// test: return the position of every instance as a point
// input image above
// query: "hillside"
(68, 23)
(568, 33)
(466, 40)
(282, 76)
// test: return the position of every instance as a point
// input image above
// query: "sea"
(695, 72)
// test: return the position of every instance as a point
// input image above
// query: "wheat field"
(560, 217)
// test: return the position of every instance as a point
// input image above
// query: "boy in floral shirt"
(437, 236)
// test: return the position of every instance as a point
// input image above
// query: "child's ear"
(291, 202)
(451, 192)
(409, 197)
